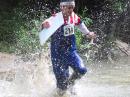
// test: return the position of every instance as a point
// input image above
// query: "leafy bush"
(79, 36)
(118, 6)
(28, 39)
(19, 33)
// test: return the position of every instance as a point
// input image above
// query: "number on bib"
(68, 30)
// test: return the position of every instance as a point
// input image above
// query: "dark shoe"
(73, 78)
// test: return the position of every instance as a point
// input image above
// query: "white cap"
(67, 2)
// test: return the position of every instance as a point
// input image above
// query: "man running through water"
(63, 47)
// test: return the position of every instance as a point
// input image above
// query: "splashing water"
(31, 78)
(35, 79)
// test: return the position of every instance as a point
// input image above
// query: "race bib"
(68, 30)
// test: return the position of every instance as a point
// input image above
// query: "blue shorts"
(61, 62)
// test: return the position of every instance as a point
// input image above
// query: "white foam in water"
(29, 81)
(35, 79)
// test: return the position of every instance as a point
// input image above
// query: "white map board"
(55, 22)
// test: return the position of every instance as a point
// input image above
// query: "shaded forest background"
(20, 22)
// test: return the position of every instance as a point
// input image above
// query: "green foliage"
(79, 38)
(84, 17)
(19, 29)
(28, 41)
(10, 22)
(118, 6)
(79, 35)
(6, 47)
(18, 33)
(7, 26)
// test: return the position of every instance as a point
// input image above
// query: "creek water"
(35, 78)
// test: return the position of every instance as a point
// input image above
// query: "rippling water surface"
(35, 79)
